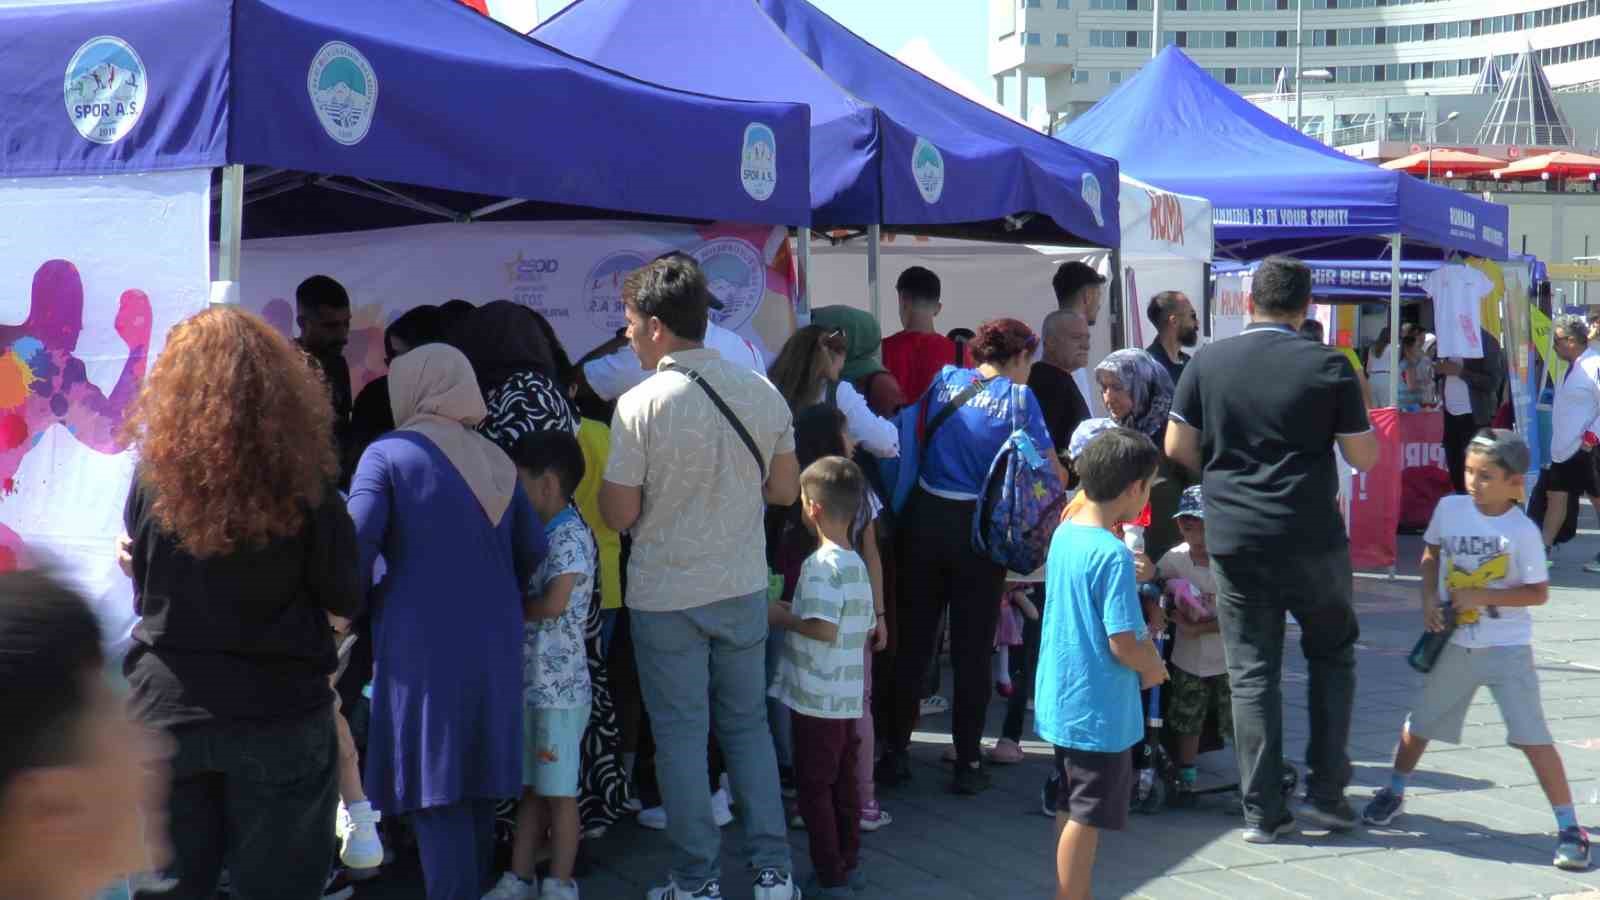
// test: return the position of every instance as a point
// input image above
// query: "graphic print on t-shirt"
(1490, 570)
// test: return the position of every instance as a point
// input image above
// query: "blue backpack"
(1022, 499)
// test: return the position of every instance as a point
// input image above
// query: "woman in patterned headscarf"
(517, 369)
(1137, 392)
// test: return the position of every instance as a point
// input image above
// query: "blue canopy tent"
(1273, 189)
(889, 147)
(377, 113)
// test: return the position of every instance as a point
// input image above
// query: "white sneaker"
(359, 845)
(722, 808)
(654, 818)
(556, 889)
(510, 887)
(774, 884)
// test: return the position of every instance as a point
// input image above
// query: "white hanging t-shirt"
(1457, 291)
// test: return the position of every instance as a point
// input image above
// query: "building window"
(1030, 4)
(1079, 76)
(1062, 39)
(1063, 4)
(1030, 38)
(1114, 76)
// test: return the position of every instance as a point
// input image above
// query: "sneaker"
(775, 884)
(1006, 752)
(556, 889)
(1048, 795)
(722, 808)
(1383, 807)
(970, 781)
(1572, 851)
(786, 784)
(1255, 834)
(873, 819)
(949, 754)
(654, 818)
(1335, 817)
(1592, 566)
(935, 705)
(337, 888)
(359, 844)
(711, 890)
(510, 887)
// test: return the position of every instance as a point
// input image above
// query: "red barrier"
(1375, 497)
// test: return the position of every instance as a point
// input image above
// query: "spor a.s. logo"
(105, 89)
(758, 161)
(344, 92)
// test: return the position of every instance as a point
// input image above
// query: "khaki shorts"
(1507, 672)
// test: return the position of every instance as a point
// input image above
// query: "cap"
(1191, 504)
(1087, 430)
(1505, 447)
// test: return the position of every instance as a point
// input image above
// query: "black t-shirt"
(242, 636)
(1269, 404)
(1060, 401)
(1174, 367)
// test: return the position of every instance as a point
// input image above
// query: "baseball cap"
(1505, 447)
(1190, 504)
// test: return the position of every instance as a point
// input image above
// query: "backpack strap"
(738, 426)
(956, 402)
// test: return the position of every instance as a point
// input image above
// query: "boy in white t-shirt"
(1487, 559)
(821, 674)
(1199, 670)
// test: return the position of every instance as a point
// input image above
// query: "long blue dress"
(446, 628)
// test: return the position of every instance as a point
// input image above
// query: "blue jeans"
(777, 713)
(717, 650)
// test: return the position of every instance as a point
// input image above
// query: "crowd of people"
(501, 599)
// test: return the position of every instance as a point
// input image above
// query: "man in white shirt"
(1574, 424)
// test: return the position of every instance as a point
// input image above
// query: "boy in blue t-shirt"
(1095, 654)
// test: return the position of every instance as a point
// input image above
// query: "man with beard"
(322, 312)
(1176, 327)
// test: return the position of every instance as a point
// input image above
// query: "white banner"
(571, 272)
(113, 263)
(1230, 310)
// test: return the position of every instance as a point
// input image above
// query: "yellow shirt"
(595, 439)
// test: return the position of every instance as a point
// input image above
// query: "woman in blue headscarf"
(1137, 392)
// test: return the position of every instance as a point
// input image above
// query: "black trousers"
(258, 797)
(939, 570)
(1458, 432)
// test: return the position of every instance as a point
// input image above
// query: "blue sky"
(957, 29)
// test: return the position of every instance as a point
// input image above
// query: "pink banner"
(1375, 497)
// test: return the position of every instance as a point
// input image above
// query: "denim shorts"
(552, 747)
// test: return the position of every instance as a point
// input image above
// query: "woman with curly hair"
(241, 551)
(460, 539)
(938, 566)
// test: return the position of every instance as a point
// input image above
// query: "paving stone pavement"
(1476, 824)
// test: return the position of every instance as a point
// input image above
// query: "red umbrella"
(1559, 164)
(1455, 162)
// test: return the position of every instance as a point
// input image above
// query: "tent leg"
(1394, 321)
(874, 242)
(230, 231)
(803, 254)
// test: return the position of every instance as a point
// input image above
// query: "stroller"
(1157, 785)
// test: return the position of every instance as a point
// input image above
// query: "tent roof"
(1274, 190)
(384, 92)
(888, 146)
(1558, 164)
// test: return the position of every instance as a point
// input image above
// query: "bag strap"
(738, 426)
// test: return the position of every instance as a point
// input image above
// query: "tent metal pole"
(874, 245)
(803, 254)
(493, 208)
(230, 230)
(1394, 321)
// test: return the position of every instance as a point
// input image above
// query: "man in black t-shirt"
(1066, 350)
(322, 312)
(1258, 416)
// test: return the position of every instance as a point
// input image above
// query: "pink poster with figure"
(94, 273)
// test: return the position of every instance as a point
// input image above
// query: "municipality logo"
(927, 167)
(602, 289)
(1091, 197)
(105, 89)
(736, 275)
(758, 168)
(344, 92)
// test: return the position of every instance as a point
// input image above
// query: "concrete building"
(1082, 49)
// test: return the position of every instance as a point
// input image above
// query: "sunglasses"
(835, 340)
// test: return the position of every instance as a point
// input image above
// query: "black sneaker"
(1334, 816)
(970, 781)
(1383, 807)
(893, 770)
(1048, 795)
(786, 784)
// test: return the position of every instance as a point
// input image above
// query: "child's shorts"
(552, 748)
(1448, 690)
(1096, 788)
(1193, 698)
